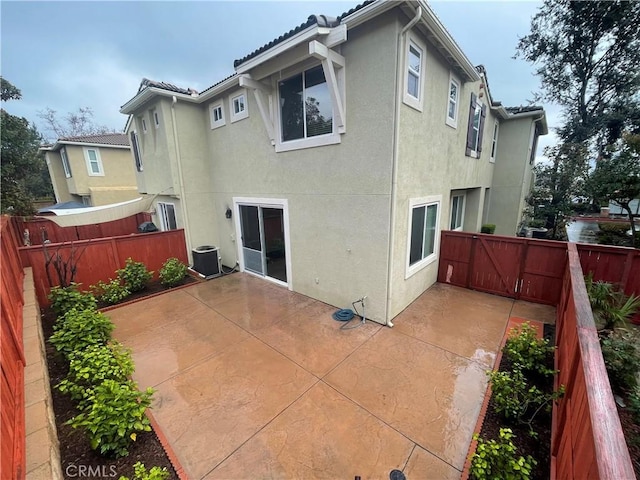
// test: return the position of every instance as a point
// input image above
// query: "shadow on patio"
(255, 381)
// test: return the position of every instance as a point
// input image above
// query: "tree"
(617, 179)
(73, 124)
(19, 158)
(588, 60)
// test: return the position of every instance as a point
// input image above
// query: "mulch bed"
(75, 451)
(632, 435)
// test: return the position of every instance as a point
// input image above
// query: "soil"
(76, 455)
(632, 435)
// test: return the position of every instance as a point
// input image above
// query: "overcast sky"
(65, 55)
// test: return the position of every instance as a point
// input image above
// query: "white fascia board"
(148, 93)
(87, 144)
(365, 14)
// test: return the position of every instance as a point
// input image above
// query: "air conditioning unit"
(206, 261)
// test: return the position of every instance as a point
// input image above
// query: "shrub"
(525, 349)
(621, 352)
(113, 416)
(172, 272)
(488, 228)
(634, 404)
(64, 299)
(613, 234)
(141, 473)
(112, 292)
(134, 275)
(78, 329)
(610, 306)
(498, 459)
(92, 366)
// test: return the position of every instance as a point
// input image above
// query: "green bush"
(78, 329)
(525, 349)
(537, 223)
(621, 352)
(634, 404)
(92, 366)
(488, 228)
(111, 292)
(172, 272)
(613, 234)
(498, 459)
(610, 306)
(134, 275)
(141, 473)
(64, 299)
(113, 415)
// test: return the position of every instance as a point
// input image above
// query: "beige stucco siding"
(58, 179)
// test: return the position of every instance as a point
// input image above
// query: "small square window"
(239, 107)
(216, 114)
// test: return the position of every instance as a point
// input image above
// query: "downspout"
(183, 196)
(396, 148)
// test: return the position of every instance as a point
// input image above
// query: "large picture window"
(305, 106)
(422, 241)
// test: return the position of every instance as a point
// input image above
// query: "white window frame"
(477, 111)
(66, 166)
(90, 171)
(135, 149)
(156, 118)
(462, 200)
(429, 259)
(453, 121)
(494, 142)
(143, 121)
(407, 98)
(163, 216)
(310, 142)
(232, 106)
(220, 122)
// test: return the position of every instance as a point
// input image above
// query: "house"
(332, 158)
(92, 169)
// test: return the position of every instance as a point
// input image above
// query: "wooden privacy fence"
(98, 259)
(12, 361)
(587, 439)
(43, 229)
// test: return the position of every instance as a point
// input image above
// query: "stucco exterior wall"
(58, 180)
(512, 177)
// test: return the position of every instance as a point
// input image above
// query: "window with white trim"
(167, 214)
(216, 113)
(475, 129)
(65, 162)
(94, 163)
(156, 119)
(452, 103)
(494, 142)
(423, 233)
(143, 121)
(135, 146)
(414, 73)
(238, 107)
(457, 212)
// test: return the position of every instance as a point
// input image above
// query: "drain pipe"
(396, 148)
(183, 196)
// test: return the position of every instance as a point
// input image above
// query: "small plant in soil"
(499, 459)
(610, 306)
(172, 272)
(134, 275)
(141, 473)
(111, 292)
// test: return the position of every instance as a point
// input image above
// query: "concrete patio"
(255, 381)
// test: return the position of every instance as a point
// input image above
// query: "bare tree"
(73, 124)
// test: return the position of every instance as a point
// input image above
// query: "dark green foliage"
(79, 329)
(172, 272)
(499, 459)
(488, 228)
(111, 292)
(141, 473)
(610, 306)
(64, 299)
(621, 353)
(634, 404)
(134, 275)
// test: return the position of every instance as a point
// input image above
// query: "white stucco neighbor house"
(332, 158)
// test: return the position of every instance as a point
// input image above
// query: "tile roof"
(119, 139)
(524, 109)
(165, 86)
(320, 20)
(217, 83)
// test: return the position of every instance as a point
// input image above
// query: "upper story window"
(216, 115)
(135, 146)
(414, 73)
(143, 121)
(94, 163)
(423, 233)
(65, 162)
(156, 118)
(452, 103)
(239, 107)
(305, 106)
(494, 142)
(477, 114)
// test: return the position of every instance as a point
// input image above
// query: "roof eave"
(148, 93)
(219, 88)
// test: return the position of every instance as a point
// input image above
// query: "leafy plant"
(113, 415)
(141, 473)
(92, 366)
(64, 299)
(488, 228)
(610, 306)
(134, 275)
(498, 459)
(621, 352)
(634, 403)
(172, 272)
(78, 329)
(525, 349)
(111, 292)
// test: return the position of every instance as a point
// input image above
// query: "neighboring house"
(334, 156)
(92, 169)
